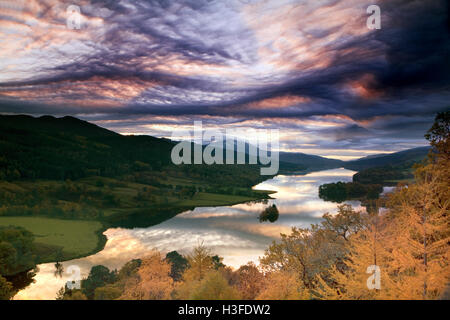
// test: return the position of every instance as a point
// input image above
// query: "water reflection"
(232, 232)
(270, 214)
(59, 269)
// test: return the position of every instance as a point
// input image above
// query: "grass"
(11, 187)
(203, 199)
(60, 239)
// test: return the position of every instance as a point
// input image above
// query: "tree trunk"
(424, 220)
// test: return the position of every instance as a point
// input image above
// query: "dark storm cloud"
(418, 46)
(413, 41)
(197, 58)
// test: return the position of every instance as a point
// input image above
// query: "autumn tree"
(420, 230)
(249, 281)
(359, 275)
(151, 282)
(129, 269)
(346, 222)
(200, 263)
(411, 245)
(419, 224)
(312, 251)
(214, 286)
(283, 285)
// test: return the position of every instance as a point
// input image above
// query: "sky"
(311, 69)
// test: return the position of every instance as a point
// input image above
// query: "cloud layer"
(309, 68)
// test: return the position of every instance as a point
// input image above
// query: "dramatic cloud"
(309, 68)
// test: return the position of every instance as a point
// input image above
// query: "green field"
(59, 239)
(203, 199)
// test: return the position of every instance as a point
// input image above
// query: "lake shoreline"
(233, 232)
(105, 224)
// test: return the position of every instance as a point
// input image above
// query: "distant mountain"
(291, 161)
(296, 161)
(394, 159)
(403, 159)
(70, 148)
(310, 161)
(373, 156)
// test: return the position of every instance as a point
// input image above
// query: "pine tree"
(200, 263)
(360, 277)
(419, 236)
(411, 244)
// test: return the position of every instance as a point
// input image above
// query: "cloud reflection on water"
(233, 232)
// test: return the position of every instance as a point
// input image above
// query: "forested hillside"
(310, 161)
(68, 148)
(403, 158)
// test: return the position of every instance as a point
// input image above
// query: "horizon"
(314, 70)
(349, 158)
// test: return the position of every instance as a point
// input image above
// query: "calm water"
(233, 232)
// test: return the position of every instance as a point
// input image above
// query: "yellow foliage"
(249, 281)
(214, 286)
(283, 285)
(420, 236)
(350, 282)
(200, 263)
(409, 243)
(152, 281)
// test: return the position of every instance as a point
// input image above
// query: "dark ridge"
(68, 125)
(406, 156)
